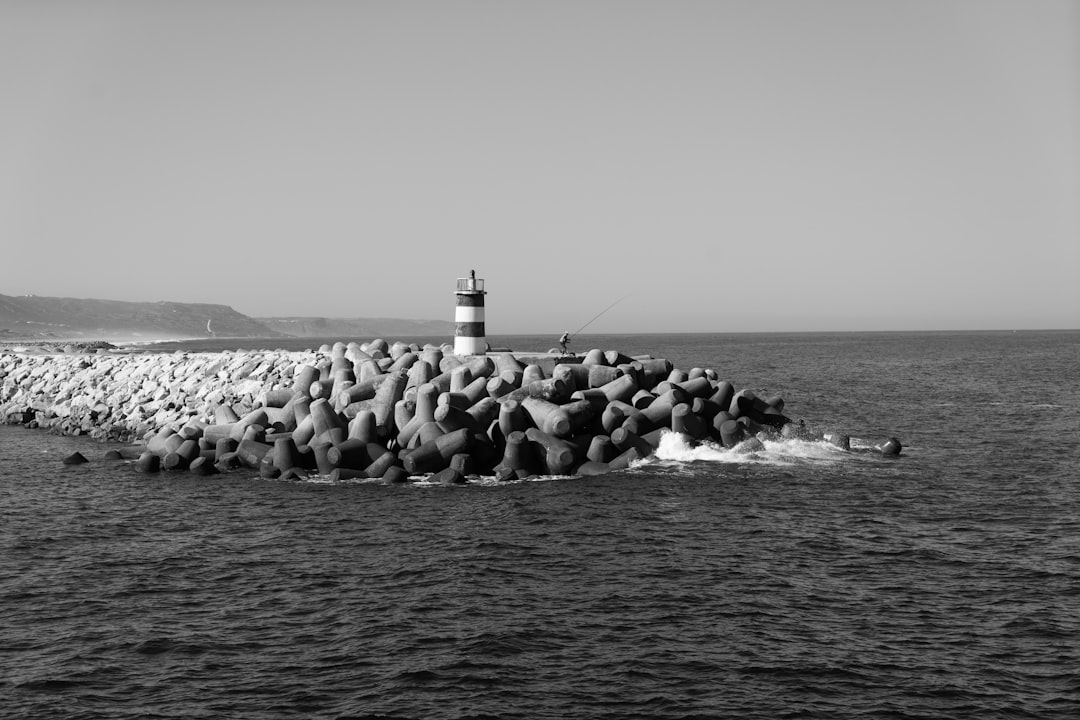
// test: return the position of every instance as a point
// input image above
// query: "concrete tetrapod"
(556, 456)
(518, 459)
(434, 455)
(547, 416)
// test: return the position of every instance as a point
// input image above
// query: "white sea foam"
(680, 448)
(796, 449)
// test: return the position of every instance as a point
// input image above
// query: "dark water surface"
(800, 581)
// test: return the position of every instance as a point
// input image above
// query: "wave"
(785, 451)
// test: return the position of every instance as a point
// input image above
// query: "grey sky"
(732, 166)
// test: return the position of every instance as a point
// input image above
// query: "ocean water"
(800, 581)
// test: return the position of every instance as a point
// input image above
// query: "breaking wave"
(785, 451)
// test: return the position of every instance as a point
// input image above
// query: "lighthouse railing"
(470, 284)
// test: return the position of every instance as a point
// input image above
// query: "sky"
(712, 166)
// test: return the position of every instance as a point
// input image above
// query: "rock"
(75, 458)
(448, 476)
(891, 447)
(148, 462)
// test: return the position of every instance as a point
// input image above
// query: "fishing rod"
(600, 313)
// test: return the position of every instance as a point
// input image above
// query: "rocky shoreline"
(55, 346)
(382, 411)
(111, 393)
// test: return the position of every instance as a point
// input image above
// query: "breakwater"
(386, 410)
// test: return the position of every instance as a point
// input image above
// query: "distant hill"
(29, 317)
(32, 316)
(357, 327)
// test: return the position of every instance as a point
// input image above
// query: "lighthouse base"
(470, 346)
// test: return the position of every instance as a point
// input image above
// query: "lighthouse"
(469, 316)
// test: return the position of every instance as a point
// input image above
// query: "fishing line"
(600, 313)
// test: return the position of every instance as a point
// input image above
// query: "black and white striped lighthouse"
(469, 316)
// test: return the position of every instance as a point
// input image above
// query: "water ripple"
(804, 583)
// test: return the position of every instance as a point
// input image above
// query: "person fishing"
(564, 340)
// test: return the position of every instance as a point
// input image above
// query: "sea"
(799, 580)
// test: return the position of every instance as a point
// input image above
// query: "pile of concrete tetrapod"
(388, 411)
